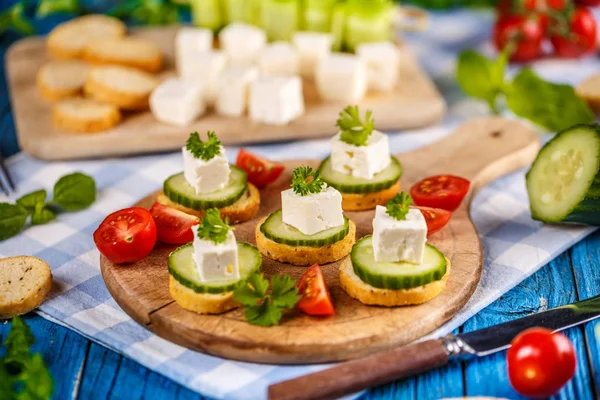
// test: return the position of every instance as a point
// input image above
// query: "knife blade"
(353, 376)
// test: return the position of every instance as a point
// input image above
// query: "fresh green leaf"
(265, 314)
(12, 220)
(74, 192)
(212, 227)
(47, 7)
(398, 206)
(204, 150)
(17, 344)
(30, 200)
(305, 180)
(481, 77)
(42, 214)
(284, 292)
(7, 391)
(36, 380)
(14, 19)
(353, 130)
(554, 106)
(252, 291)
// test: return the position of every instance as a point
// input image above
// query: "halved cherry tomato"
(540, 362)
(440, 191)
(316, 299)
(436, 218)
(574, 33)
(126, 236)
(173, 226)
(261, 171)
(522, 34)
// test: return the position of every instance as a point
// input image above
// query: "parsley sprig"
(213, 228)
(305, 180)
(397, 207)
(265, 309)
(204, 150)
(353, 129)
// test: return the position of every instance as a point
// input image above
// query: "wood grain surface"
(480, 150)
(415, 103)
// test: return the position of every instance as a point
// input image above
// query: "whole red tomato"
(522, 34)
(540, 362)
(574, 33)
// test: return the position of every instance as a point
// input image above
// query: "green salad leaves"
(398, 206)
(213, 228)
(305, 180)
(204, 150)
(353, 129)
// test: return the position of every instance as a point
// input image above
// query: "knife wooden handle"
(353, 376)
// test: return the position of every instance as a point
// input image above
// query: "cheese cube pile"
(232, 90)
(276, 100)
(314, 212)
(397, 241)
(177, 102)
(216, 262)
(242, 42)
(383, 64)
(342, 78)
(312, 48)
(361, 161)
(205, 176)
(190, 39)
(278, 58)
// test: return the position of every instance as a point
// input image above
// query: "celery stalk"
(207, 14)
(280, 18)
(246, 11)
(367, 21)
(318, 14)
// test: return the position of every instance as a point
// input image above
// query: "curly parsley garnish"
(213, 227)
(204, 150)
(397, 207)
(305, 180)
(354, 131)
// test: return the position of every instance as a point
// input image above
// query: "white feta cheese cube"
(383, 65)
(312, 47)
(396, 241)
(276, 100)
(242, 42)
(205, 176)
(278, 58)
(314, 212)
(216, 262)
(189, 40)
(177, 102)
(204, 67)
(361, 161)
(232, 90)
(341, 78)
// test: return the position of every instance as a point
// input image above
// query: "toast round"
(59, 79)
(368, 201)
(69, 39)
(370, 295)
(24, 283)
(589, 91)
(81, 115)
(305, 255)
(127, 51)
(201, 303)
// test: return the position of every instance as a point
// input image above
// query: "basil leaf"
(481, 77)
(30, 200)
(42, 214)
(47, 7)
(555, 107)
(12, 219)
(35, 379)
(74, 192)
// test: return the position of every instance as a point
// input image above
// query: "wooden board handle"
(353, 376)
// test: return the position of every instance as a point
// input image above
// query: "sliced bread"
(128, 51)
(59, 79)
(589, 90)
(81, 115)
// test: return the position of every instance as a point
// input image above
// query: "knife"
(353, 376)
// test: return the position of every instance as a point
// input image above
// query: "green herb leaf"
(42, 214)
(36, 380)
(265, 314)
(12, 219)
(74, 192)
(7, 391)
(553, 106)
(284, 291)
(353, 129)
(481, 77)
(47, 7)
(30, 200)
(398, 206)
(305, 180)
(14, 19)
(204, 150)
(17, 344)
(212, 227)
(252, 291)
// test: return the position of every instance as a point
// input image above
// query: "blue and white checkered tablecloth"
(515, 245)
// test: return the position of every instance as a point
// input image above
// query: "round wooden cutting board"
(480, 150)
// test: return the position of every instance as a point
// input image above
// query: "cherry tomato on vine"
(522, 34)
(511, 7)
(574, 33)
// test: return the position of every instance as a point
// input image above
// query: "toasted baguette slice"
(24, 283)
(589, 91)
(370, 295)
(125, 87)
(128, 51)
(59, 79)
(81, 115)
(242, 210)
(201, 303)
(368, 201)
(69, 39)
(305, 255)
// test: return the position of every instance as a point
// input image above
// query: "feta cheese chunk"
(341, 78)
(383, 65)
(276, 100)
(216, 262)
(177, 102)
(242, 42)
(314, 212)
(205, 176)
(232, 90)
(312, 47)
(278, 58)
(203, 67)
(190, 40)
(361, 161)
(396, 241)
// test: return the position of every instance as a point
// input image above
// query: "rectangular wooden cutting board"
(416, 103)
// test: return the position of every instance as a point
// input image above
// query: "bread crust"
(112, 94)
(201, 303)
(589, 91)
(80, 123)
(58, 69)
(368, 201)
(93, 54)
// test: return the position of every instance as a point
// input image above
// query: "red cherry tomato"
(540, 362)
(524, 35)
(574, 34)
(316, 299)
(126, 236)
(436, 218)
(173, 226)
(440, 191)
(261, 171)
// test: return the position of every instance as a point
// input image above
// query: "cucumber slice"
(182, 267)
(351, 184)
(564, 180)
(179, 191)
(400, 275)
(278, 231)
